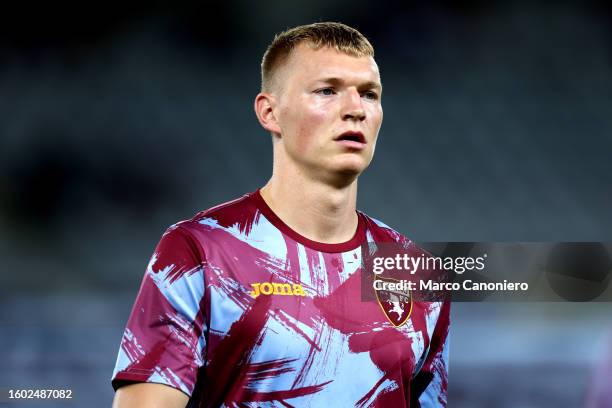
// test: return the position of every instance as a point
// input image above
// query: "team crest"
(395, 304)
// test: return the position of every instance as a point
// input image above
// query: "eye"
(370, 95)
(326, 91)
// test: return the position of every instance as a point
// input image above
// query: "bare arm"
(150, 396)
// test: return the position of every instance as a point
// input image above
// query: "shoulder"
(217, 228)
(378, 231)
(185, 243)
(239, 213)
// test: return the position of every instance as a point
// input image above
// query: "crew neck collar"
(356, 241)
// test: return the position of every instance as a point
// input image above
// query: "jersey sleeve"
(430, 386)
(164, 340)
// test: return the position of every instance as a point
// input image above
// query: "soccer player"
(257, 302)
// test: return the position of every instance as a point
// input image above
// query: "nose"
(353, 106)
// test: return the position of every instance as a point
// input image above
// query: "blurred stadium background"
(120, 119)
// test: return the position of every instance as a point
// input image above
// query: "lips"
(352, 136)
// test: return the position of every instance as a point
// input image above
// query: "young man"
(257, 302)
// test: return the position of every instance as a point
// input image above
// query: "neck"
(319, 211)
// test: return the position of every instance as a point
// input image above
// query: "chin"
(350, 168)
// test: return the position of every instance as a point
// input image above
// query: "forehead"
(306, 63)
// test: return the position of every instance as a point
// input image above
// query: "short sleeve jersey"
(236, 309)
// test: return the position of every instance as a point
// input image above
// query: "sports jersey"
(236, 309)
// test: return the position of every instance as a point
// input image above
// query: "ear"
(265, 104)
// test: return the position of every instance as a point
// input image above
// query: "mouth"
(352, 138)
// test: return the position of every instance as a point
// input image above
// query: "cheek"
(377, 116)
(309, 124)
(375, 123)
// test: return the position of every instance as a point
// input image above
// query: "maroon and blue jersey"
(236, 309)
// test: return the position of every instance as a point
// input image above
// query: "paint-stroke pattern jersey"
(236, 309)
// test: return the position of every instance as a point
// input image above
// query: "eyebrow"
(339, 81)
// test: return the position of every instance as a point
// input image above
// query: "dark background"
(119, 119)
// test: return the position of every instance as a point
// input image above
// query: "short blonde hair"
(338, 36)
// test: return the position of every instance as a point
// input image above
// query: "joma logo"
(267, 288)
